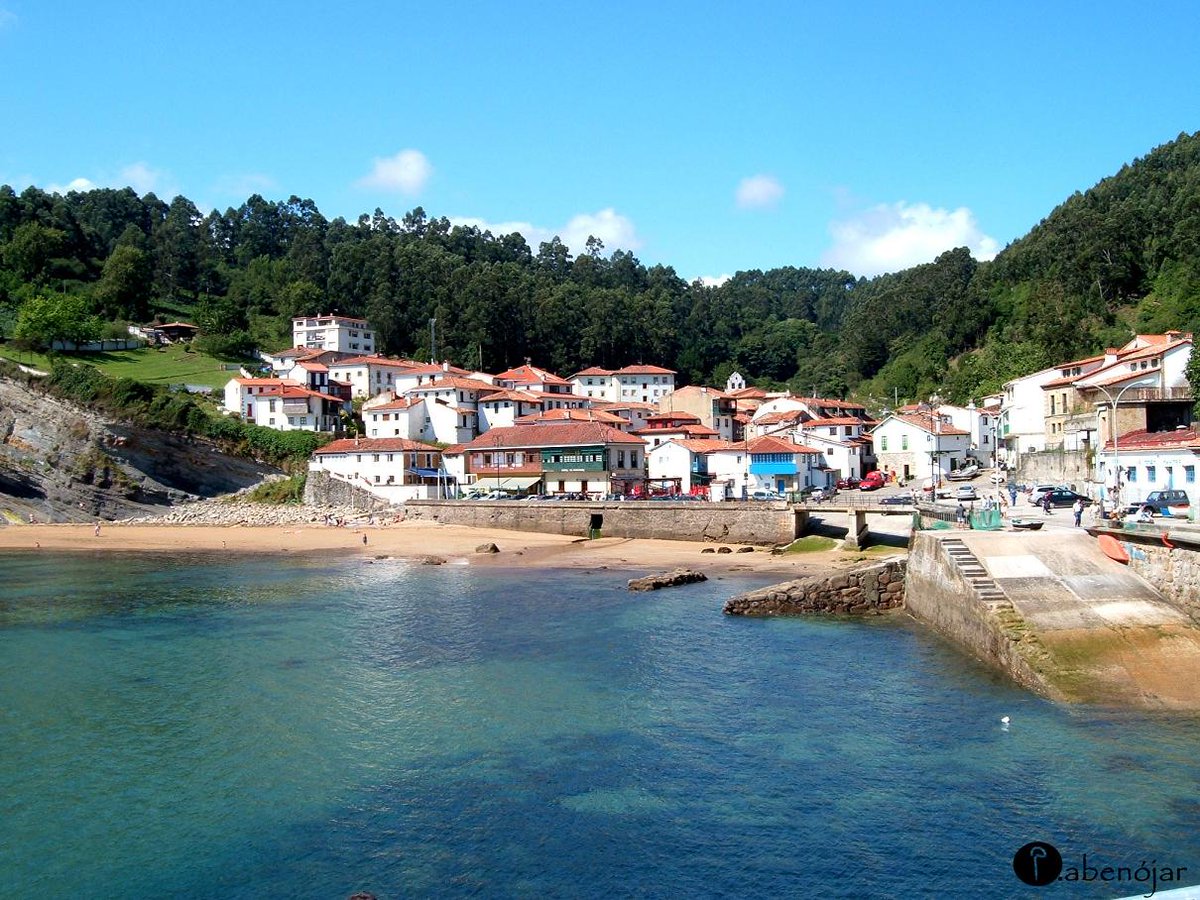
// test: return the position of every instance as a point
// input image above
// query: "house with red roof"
(1140, 461)
(765, 464)
(683, 466)
(920, 445)
(642, 383)
(663, 427)
(715, 409)
(283, 404)
(553, 458)
(395, 469)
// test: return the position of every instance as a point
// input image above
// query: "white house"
(395, 469)
(765, 463)
(370, 376)
(645, 384)
(451, 407)
(920, 445)
(283, 405)
(1022, 422)
(684, 464)
(981, 423)
(399, 417)
(1149, 461)
(331, 332)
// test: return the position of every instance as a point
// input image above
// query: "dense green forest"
(1123, 256)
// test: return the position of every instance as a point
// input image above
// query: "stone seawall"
(868, 590)
(733, 522)
(1174, 571)
(938, 594)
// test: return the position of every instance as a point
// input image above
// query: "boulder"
(666, 579)
(432, 561)
(487, 548)
(745, 549)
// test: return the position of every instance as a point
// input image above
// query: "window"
(1131, 473)
(904, 442)
(1150, 473)
(883, 443)
(1052, 409)
(1189, 474)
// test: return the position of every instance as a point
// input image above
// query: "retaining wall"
(938, 594)
(321, 489)
(735, 522)
(869, 590)
(1174, 571)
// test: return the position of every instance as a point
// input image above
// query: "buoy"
(1004, 720)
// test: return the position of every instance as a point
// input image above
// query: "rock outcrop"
(666, 579)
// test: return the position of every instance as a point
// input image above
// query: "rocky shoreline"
(246, 512)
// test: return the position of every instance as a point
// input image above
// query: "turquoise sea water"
(305, 728)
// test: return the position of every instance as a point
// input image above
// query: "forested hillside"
(1122, 256)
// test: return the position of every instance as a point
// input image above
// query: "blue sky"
(713, 137)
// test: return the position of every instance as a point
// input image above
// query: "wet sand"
(415, 540)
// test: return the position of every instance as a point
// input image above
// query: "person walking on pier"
(1046, 507)
(1078, 508)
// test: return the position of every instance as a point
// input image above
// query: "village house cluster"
(434, 430)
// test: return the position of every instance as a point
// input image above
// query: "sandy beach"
(416, 540)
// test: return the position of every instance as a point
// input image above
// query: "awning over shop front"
(428, 473)
(508, 482)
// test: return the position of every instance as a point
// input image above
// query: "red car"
(872, 482)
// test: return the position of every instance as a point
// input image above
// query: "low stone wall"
(732, 522)
(1055, 466)
(323, 490)
(937, 593)
(1174, 571)
(868, 590)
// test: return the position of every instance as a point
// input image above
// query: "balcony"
(1145, 395)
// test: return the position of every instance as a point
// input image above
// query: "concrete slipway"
(1058, 614)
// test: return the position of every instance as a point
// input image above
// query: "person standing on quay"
(1078, 511)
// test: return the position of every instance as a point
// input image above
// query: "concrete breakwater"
(867, 590)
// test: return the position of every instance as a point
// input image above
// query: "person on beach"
(96, 530)
(364, 539)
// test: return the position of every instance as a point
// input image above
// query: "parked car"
(848, 484)
(1040, 490)
(766, 495)
(872, 482)
(897, 500)
(1063, 497)
(966, 492)
(1163, 502)
(998, 478)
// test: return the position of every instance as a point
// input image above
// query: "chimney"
(446, 366)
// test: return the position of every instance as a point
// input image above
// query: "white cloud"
(759, 192)
(891, 237)
(615, 230)
(713, 280)
(75, 184)
(406, 172)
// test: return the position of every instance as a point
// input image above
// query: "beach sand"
(415, 540)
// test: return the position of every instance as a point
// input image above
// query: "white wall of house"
(383, 473)
(913, 452)
(1022, 415)
(1143, 471)
(843, 459)
(672, 459)
(333, 333)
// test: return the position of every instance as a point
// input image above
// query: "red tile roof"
(593, 370)
(1151, 440)
(375, 445)
(573, 415)
(644, 370)
(926, 423)
(687, 429)
(507, 394)
(771, 444)
(453, 382)
(565, 434)
(702, 445)
(844, 420)
(531, 375)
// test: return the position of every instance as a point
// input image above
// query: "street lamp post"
(1116, 456)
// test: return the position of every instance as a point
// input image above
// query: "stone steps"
(976, 575)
